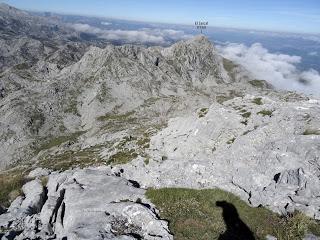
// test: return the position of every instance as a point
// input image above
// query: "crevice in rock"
(12, 235)
(80, 184)
(134, 183)
(276, 177)
(63, 209)
(155, 236)
(243, 189)
(53, 217)
(45, 196)
(135, 235)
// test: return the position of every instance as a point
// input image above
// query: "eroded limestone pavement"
(183, 114)
(83, 204)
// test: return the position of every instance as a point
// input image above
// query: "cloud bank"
(278, 69)
(143, 35)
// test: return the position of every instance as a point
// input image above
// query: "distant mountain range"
(86, 126)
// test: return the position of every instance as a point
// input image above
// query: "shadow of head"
(229, 210)
(236, 228)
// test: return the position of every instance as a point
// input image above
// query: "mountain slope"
(180, 116)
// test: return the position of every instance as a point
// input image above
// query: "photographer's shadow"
(236, 228)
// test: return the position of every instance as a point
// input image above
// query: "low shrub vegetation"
(257, 101)
(203, 112)
(265, 113)
(311, 132)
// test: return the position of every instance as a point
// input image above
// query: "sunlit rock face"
(84, 204)
(178, 116)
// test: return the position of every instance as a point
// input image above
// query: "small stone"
(38, 172)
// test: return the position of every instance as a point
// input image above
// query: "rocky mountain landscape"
(122, 142)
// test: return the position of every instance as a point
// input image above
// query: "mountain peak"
(8, 10)
(200, 39)
(199, 43)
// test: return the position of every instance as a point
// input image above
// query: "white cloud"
(278, 69)
(144, 35)
(313, 53)
(85, 28)
(106, 23)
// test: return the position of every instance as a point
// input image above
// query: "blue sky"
(274, 15)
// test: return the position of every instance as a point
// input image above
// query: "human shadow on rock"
(236, 228)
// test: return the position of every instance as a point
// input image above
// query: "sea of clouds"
(278, 69)
(143, 35)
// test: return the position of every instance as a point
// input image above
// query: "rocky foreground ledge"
(82, 204)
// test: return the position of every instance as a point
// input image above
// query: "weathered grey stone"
(39, 172)
(90, 204)
(311, 237)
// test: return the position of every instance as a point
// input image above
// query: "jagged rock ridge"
(180, 116)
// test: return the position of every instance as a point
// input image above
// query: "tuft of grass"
(72, 108)
(193, 214)
(146, 160)
(203, 112)
(123, 156)
(56, 141)
(246, 114)
(229, 66)
(11, 182)
(144, 142)
(118, 117)
(265, 113)
(231, 141)
(258, 83)
(70, 159)
(311, 132)
(22, 66)
(44, 180)
(223, 98)
(258, 101)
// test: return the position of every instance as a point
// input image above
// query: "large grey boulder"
(86, 204)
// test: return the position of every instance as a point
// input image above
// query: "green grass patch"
(11, 182)
(73, 107)
(265, 113)
(118, 117)
(144, 142)
(246, 114)
(71, 159)
(258, 83)
(231, 141)
(257, 101)
(311, 132)
(56, 141)
(223, 98)
(123, 156)
(203, 112)
(194, 214)
(22, 66)
(228, 65)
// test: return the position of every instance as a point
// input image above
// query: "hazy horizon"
(270, 16)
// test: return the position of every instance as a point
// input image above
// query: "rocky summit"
(87, 127)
